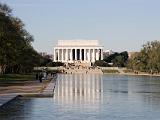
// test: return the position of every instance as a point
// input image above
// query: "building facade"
(84, 51)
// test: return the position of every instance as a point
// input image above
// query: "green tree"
(118, 59)
(16, 53)
(148, 59)
(101, 63)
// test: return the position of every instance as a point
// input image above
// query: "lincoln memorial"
(85, 51)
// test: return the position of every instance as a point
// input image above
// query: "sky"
(119, 25)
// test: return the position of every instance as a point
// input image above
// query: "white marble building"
(85, 51)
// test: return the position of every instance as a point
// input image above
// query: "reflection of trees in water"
(79, 88)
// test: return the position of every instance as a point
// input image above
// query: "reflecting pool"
(92, 97)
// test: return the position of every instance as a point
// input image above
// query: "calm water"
(92, 97)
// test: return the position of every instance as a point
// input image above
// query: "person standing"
(40, 77)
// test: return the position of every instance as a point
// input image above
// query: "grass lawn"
(17, 77)
(110, 71)
(128, 71)
(21, 83)
(8, 80)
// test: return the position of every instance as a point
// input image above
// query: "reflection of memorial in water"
(79, 89)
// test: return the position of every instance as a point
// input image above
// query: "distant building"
(107, 53)
(46, 55)
(85, 51)
(43, 53)
(132, 54)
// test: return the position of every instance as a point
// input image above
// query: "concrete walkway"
(49, 90)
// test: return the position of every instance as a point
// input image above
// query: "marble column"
(54, 59)
(62, 56)
(89, 58)
(97, 54)
(58, 54)
(75, 54)
(66, 55)
(87, 54)
(84, 54)
(80, 54)
(93, 55)
(71, 58)
(101, 54)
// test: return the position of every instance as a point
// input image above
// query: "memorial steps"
(80, 68)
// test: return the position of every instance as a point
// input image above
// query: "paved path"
(6, 98)
(49, 90)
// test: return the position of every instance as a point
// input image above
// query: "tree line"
(146, 60)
